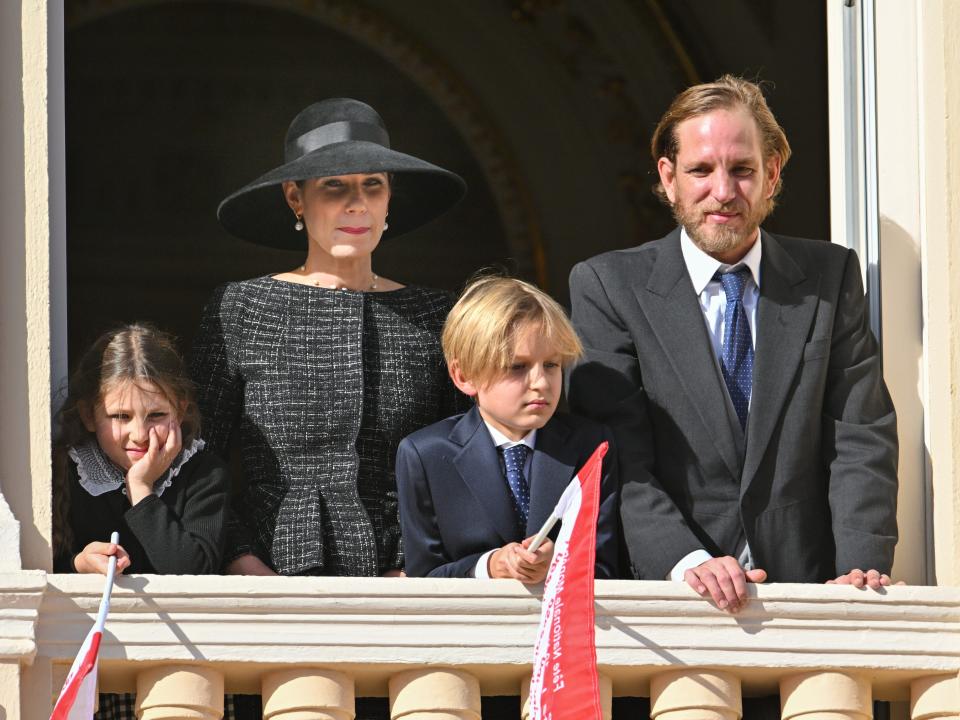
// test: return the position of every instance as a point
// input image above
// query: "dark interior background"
(545, 107)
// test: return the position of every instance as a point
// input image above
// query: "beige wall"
(939, 119)
(25, 358)
(918, 166)
(899, 187)
(13, 434)
(14, 429)
(918, 92)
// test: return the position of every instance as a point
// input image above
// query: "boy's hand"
(160, 454)
(95, 557)
(513, 560)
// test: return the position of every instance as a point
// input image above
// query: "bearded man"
(757, 439)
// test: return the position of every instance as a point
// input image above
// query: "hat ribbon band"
(335, 133)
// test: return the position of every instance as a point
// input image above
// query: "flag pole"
(107, 587)
(555, 516)
(542, 534)
(77, 699)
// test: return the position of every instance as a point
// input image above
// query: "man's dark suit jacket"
(455, 504)
(812, 483)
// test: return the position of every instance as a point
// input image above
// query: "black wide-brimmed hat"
(338, 136)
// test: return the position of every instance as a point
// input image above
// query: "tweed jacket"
(317, 387)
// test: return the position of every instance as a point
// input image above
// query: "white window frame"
(852, 81)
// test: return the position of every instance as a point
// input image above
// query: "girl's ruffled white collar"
(99, 475)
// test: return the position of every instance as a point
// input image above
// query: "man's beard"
(722, 240)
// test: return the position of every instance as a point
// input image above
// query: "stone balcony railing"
(310, 645)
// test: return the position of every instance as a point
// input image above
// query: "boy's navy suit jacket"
(455, 504)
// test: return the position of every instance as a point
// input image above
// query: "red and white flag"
(78, 698)
(564, 684)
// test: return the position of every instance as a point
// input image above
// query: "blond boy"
(476, 487)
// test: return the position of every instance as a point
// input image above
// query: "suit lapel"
(673, 311)
(479, 466)
(788, 301)
(552, 468)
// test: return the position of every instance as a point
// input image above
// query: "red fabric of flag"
(77, 699)
(565, 684)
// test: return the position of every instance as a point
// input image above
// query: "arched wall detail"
(445, 87)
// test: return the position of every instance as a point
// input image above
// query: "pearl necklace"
(316, 283)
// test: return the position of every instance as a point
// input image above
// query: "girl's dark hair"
(132, 353)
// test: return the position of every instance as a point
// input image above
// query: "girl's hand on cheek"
(173, 442)
(160, 454)
(95, 557)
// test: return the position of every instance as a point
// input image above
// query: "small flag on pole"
(564, 684)
(78, 698)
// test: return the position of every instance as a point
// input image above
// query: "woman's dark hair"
(138, 353)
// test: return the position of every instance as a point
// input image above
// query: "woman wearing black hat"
(322, 370)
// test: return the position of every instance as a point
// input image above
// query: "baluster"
(173, 692)
(695, 695)
(307, 694)
(434, 694)
(826, 695)
(606, 697)
(935, 698)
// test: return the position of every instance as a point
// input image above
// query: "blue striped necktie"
(736, 350)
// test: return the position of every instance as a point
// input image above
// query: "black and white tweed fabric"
(122, 706)
(114, 706)
(318, 387)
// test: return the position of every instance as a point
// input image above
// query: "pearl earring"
(298, 225)
(385, 226)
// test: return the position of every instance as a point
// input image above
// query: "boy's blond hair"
(482, 329)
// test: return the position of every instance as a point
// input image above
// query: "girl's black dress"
(178, 530)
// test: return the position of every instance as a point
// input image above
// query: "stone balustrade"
(309, 646)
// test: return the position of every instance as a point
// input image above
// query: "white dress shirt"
(713, 302)
(500, 440)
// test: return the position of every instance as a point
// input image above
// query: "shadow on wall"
(902, 369)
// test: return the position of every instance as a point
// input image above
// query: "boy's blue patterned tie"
(736, 350)
(514, 459)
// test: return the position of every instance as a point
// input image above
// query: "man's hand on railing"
(871, 578)
(723, 580)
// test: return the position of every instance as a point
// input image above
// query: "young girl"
(128, 458)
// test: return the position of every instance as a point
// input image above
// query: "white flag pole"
(107, 588)
(555, 516)
(544, 531)
(78, 697)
